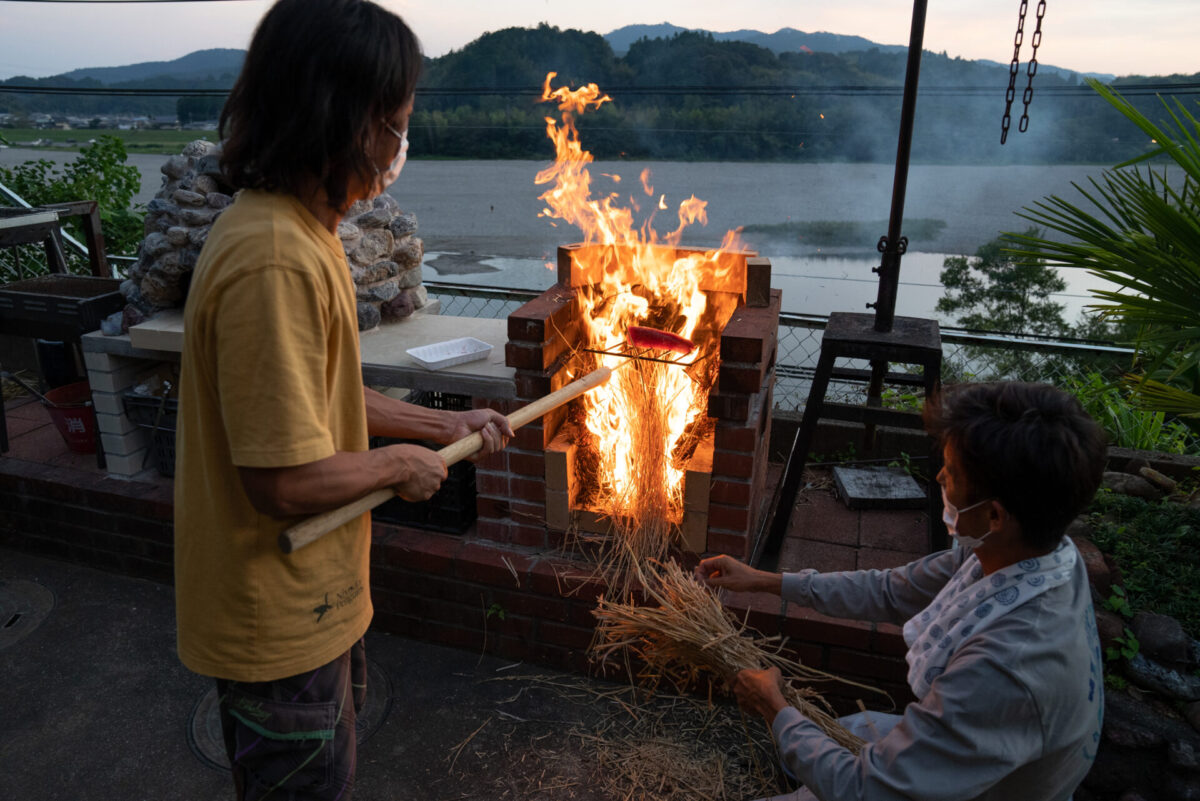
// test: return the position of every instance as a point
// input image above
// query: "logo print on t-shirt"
(322, 608)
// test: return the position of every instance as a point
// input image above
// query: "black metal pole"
(889, 268)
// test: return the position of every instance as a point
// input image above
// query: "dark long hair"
(1030, 446)
(317, 78)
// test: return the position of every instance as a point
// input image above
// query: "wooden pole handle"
(317, 526)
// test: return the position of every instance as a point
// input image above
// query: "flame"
(642, 421)
(645, 176)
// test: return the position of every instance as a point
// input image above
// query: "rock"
(199, 147)
(185, 198)
(409, 251)
(375, 245)
(175, 167)
(420, 296)
(386, 201)
(210, 165)
(204, 185)
(218, 200)
(378, 271)
(1161, 637)
(1093, 560)
(160, 290)
(1115, 575)
(378, 293)
(1156, 478)
(409, 278)
(1126, 484)
(1128, 795)
(168, 266)
(198, 217)
(1178, 787)
(158, 205)
(1079, 527)
(403, 224)
(177, 235)
(368, 316)
(375, 218)
(1110, 625)
(399, 307)
(1182, 754)
(1191, 713)
(359, 207)
(1159, 678)
(348, 230)
(197, 236)
(132, 316)
(155, 245)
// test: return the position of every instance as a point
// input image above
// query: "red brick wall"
(426, 585)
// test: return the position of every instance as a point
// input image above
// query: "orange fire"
(641, 418)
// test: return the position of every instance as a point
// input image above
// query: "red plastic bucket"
(70, 408)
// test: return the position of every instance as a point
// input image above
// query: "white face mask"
(950, 515)
(385, 178)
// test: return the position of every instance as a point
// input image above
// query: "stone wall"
(382, 250)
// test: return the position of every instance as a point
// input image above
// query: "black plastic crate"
(70, 304)
(143, 410)
(158, 415)
(452, 508)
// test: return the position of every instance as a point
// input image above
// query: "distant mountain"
(1104, 77)
(784, 40)
(790, 40)
(194, 66)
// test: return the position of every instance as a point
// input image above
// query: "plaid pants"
(293, 739)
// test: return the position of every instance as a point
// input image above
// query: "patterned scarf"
(970, 601)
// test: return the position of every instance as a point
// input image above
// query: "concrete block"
(116, 424)
(135, 441)
(126, 465)
(107, 402)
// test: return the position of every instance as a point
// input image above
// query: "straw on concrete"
(688, 635)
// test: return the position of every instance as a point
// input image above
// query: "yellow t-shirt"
(271, 377)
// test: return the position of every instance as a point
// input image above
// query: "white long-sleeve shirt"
(1016, 714)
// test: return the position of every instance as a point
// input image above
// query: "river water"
(480, 222)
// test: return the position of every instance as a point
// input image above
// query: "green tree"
(1003, 289)
(99, 173)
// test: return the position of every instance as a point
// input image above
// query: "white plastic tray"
(452, 351)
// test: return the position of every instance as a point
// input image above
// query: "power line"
(1133, 90)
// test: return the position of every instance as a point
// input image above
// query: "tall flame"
(643, 419)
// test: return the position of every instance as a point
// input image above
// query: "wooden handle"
(318, 526)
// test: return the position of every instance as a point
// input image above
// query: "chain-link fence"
(967, 355)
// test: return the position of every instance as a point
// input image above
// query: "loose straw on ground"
(689, 633)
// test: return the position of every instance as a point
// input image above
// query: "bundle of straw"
(690, 634)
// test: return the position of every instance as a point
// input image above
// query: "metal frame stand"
(880, 339)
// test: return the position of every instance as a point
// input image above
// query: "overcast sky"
(1149, 37)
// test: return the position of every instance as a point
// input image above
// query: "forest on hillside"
(693, 97)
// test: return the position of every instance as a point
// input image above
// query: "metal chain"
(1031, 70)
(1013, 68)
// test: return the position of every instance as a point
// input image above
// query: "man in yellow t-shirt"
(273, 416)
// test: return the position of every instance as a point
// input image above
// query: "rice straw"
(688, 634)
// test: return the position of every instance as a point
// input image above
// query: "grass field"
(135, 141)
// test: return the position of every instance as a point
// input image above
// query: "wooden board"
(163, 331)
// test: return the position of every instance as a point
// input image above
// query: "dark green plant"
(1124, 647)
(1117, 602)
(1157, 548)
(1127, 424)
(99, 173)
(1141, 232)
